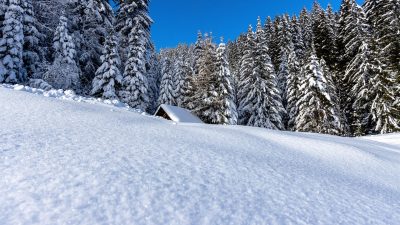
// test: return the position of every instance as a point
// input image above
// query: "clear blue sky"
(177, 21)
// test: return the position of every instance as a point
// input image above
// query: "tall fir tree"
(353, 33)
(293, 89)
(11, 45)
(360, 71)
(324, 36)
(167, 88)
(91, 20)
(31, 55)
(108, 77)
(261, 101)
(63, 73)
(134, 25)
(315, 104)
(227, 114)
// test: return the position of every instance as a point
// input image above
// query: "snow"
(72, 160)
(178, 114)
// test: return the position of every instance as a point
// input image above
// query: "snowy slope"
(68, 162)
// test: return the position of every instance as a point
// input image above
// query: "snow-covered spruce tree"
(198, 52)
(297, 38)
(293, 86)
(154, 78)
(207, 99)
(324, 36)
(246, 72)
(227, 114)
(360, 71)
(134, 25)
(384, 18)
(11, 45)
(167, 89)
(315, 105)
(306, 25)
(90, 21)
(108, 78)
(353, 33)
(63, 73)
(31, 55)
(3, 9)
(283, 77)
(261, 100)
(182, 68)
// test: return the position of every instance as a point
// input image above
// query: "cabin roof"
(178, 114)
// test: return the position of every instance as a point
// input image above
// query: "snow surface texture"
(68, 162)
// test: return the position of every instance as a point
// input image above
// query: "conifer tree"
(207, 99)
(63, 73)
(11, 45)
(246, 72)
(293, 93)
(261, 100)
(324, 36)
(315, 105)
(297, 38)
(167, 89)
(3, 9)
(134, 26)
(154, 78)
(227, 114)
(31, 55)
(108, 78)
(90, 22)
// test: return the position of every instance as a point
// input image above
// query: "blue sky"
(177, 21)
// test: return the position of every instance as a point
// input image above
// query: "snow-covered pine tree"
(353, 33)
(297, 38)
(293, 86)
(360, 71)
(315, 105)
(3, 9)
(63, 73)
(108, 77)
(31, 55)
(246, 72)
(274, 45)
(283, 78)
(261, 100)
(198, 52)
(11, 45)
(385, 112)
(154, 78)
(384, 17)
(90, 21)
(324, 36)
(305, 22)
(182, 68)
(134, 24)
(227, 114)
(207, 97)
(167, 88)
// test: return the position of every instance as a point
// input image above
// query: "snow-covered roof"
(178, 114)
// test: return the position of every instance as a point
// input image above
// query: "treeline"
(319, 71)
(83, 45)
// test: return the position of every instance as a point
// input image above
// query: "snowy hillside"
(68, 162)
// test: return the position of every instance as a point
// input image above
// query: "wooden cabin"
(176, 114)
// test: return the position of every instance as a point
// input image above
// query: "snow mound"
(70, 162)
(66, 95)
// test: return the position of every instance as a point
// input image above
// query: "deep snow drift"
(69, 162)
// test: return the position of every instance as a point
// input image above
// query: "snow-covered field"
(64, 161)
